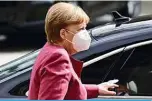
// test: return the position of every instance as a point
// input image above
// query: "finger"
(111, 93)
(113, 85)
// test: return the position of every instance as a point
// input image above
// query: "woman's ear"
(62, 34)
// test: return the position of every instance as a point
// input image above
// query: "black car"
(23, 21)
(118, 51)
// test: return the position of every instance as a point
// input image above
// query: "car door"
(135, 73)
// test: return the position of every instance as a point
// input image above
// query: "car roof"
(133, 24)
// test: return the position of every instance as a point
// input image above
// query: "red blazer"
(56, 76)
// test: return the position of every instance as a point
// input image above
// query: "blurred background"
(22, 22)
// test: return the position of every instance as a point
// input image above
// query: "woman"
(56, 75)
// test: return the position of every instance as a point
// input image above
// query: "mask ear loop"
(67, 39)
(70, 31)
(92, 35)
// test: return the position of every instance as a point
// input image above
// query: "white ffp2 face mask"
(81, 41)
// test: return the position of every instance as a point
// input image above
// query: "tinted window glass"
(137, 71)
(20, 89)
(94, 73)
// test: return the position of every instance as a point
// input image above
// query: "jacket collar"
(77, 66)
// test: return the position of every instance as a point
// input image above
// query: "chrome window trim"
(17, 62)
(14, 75)
(103, 56)
(125, 97)
(138, 45)
(117, 51)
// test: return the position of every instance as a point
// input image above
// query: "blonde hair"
(61, 15)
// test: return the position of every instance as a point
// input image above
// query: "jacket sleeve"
(55, 78)
(92, 90)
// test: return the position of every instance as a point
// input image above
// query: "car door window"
(137, 71)
(20, 89)
(95, 72)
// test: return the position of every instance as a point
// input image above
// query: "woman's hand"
(104, 88)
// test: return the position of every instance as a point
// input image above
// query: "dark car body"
(23, 21)
(123, 52)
